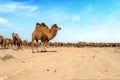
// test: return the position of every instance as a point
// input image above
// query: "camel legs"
(19, 46)
(2, 45)
(34, 45)
(6, 46)
(43, 47)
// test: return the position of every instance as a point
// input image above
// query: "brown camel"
(81, 44)
(2, 41)
(7, 43)
(43, 33)
(16, 40)
(25, 43)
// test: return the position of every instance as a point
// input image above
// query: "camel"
(29, 44)
(7, 43)
(81, 44)
(25, 43)
(16, 40)
(43, 33)
(2, 41)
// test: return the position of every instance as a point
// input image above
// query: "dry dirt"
(61, 64)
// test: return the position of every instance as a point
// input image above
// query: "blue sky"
(80, 20)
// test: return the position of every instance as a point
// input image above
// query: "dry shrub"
(7, 56)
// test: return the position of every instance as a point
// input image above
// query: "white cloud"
(11, 7)
(5, 23)
(3, 20)
(18, 7)
(26, 7)
(8, 7)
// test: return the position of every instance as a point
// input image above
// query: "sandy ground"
(61, 64)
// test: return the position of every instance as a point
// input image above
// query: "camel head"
(15, 36)
(55, 27)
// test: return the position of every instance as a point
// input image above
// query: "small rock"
(118, 75)
(23, 61)
(94, 56)
(106, 70)
(55, 70)
(83, 56)
(48, 70)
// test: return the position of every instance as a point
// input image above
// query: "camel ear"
(55, 24)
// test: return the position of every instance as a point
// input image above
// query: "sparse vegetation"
(7, 56)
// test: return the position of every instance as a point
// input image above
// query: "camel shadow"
(1, 49)
(52, 51)
(16, 49)
(46, 51)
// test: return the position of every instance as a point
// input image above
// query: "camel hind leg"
(37, 45)
(43, 48)
(44, 41)
(2, 45)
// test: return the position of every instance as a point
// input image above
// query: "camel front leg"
(32, 46)
(37, 45)
(2, 45)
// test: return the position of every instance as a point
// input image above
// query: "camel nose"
(59, 28)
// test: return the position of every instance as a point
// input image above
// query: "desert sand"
(60, 63)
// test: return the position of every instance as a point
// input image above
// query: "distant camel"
(25, 43)
(16, 40)
(2, 41)
(81, 44)
(43, 33)
(7, 43)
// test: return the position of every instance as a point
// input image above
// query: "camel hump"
(37, 26)
(1, 38)
(41, 26)
(44, 26)
(37, 23)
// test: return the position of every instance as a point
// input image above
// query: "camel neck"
(52, 33)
